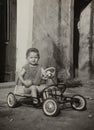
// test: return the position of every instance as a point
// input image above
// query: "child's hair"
(32, 50)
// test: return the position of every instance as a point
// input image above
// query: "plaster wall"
(84, 31)
(51, 32)
(24, 30)
(47, 25)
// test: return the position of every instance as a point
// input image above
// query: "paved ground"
(29, 118)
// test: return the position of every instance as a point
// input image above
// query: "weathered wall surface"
(51, 31)
(24, 30)
(84, 43)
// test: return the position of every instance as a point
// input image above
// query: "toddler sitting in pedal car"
(29, 79)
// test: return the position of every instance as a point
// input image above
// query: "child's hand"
(27, 83)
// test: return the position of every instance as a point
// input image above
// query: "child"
(29, 79)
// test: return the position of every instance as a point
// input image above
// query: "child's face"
(33, 58)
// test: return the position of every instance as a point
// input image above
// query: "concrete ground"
(29, 118)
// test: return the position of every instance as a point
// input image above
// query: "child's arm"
(27, 83)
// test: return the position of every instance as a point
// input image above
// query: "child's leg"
(41, 88)
(33, 89)
(27, 90)
(21, 90)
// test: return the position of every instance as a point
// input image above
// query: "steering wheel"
(48, 73)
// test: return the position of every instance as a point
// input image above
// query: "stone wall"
(51, 32)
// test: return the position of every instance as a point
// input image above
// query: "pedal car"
(51, 98)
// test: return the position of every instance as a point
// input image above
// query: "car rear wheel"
(78, 103)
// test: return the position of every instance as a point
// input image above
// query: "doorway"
(7, 40)
(79, 6)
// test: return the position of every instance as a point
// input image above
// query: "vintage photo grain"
(46, 64)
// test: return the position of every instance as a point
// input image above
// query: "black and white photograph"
(46, 64)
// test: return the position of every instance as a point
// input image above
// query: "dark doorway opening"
(76, 37)
(3, 37)
(7, 40)
(79, 6)
(2, 61)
